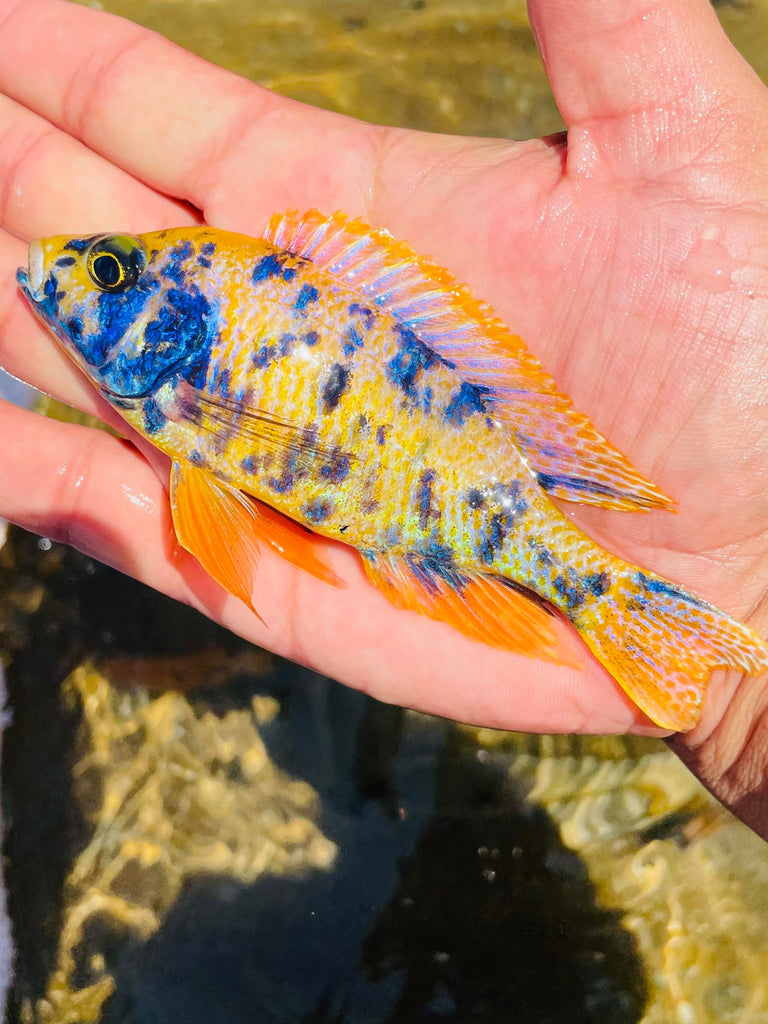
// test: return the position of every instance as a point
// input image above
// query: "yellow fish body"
(325, 375)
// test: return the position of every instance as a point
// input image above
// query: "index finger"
(170, 118)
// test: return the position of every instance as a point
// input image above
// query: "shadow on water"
(452, 898)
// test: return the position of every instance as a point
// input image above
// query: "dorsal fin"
(572, 459)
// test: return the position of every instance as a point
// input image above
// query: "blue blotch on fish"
(424, 498)
(466, 401)
(475, 498)
(317, 511)
(311, 338)
(197, 458)
(272, 266)
(411, 361)
(248, 464)
(353, 339)
(80, 244)
(154, 418)
(381, 435)
(307, 293)
(177, 340)
(337, 470)
(286, 343)
(174, 265)
(597, 583)
(65, 261)
(208, 248)
(74, 327)
(334, 386)
(367, 315)
(284, 483)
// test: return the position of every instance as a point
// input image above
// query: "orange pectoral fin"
(224, 529)
(484, 608)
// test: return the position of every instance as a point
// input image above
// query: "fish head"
(120, 307)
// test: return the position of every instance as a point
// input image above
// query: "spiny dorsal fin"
(572, 459)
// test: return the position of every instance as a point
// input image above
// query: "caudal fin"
(661, 643)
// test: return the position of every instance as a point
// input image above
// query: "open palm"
(632, 257)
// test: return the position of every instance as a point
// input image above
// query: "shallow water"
(201, 832)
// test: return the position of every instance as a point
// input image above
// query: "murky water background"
(198, 831)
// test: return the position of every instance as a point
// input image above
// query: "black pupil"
(107, 269)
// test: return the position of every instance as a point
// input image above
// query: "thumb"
(636, 80)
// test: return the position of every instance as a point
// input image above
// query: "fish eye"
(115, 262)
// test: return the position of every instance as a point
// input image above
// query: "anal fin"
(484, 608)
(224, 529)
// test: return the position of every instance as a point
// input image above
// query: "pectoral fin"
(224, 529)
(484, 608)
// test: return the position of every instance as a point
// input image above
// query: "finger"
(169, 117)
(661, 66)
(90, 490)
(53, 184)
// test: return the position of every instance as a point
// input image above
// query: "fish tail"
(660, 643)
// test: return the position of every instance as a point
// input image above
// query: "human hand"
(632, 258)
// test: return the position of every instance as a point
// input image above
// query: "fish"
(325, 381)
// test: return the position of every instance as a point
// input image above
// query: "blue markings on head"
(307, 294)
(208, 248)
(66, 261)
(273, 266)
(173, 266)
(176, 340)
(466, 401)
(79, 244)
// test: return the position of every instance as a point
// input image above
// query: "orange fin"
(661, 643)
(484, 608)
(224, 528)
(571, 458)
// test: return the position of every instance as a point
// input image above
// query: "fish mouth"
(31, 279)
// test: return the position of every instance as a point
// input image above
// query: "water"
(201, 832)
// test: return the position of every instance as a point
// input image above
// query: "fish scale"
(325, 378)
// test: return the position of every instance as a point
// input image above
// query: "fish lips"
(30, 279)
